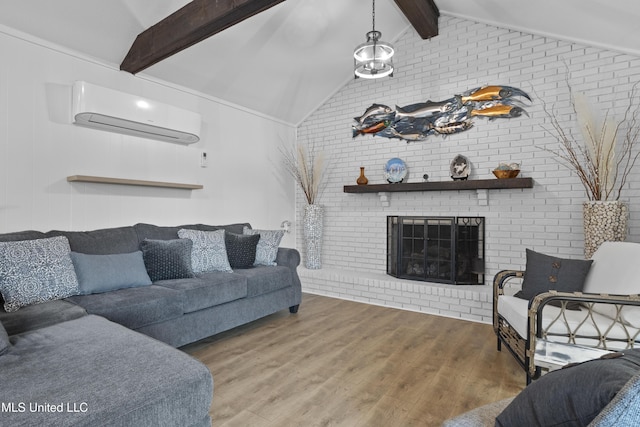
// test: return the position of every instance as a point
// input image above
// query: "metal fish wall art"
(416, 122)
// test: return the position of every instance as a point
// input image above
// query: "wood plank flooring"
(343, 363)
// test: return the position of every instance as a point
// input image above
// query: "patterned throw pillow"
(36, 271)
(209, 252)
(241, 249)
(167, 259)
(267, 249)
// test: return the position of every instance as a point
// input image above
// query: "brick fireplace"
(436, 249)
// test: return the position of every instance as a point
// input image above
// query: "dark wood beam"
(423, 15)
(189, 25)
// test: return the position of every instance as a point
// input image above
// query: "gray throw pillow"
(267, 249)
(167, 259)
(103, 273)
(36, 271)
(241, 249)
(544, 273)
(572, 396)
(5, 344)
(209, 252)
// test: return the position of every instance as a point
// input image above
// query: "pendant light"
(373, 59)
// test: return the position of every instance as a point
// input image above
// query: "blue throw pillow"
(103, 273)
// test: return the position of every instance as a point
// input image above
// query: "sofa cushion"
(4, 340)
(267, 249)
(167, 259)
(109, 374)
(134, 307)
(40, 315)
(544, 273)
(209, 252)
(103, 273)
(264, 279)
(35, 271)
(115, 240)
(589, 326)
(208, 289)
(241, 249)
(573, 395)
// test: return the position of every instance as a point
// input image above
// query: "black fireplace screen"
(436, 249)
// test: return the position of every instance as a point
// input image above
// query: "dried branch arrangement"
(307, 168)
(607, 150)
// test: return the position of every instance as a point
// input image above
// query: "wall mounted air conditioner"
(115, 111)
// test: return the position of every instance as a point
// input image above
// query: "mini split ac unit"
(114, 111)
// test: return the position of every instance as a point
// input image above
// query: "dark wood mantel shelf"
(470, 184)
(480, 185)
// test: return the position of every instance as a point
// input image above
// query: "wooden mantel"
(480, 185)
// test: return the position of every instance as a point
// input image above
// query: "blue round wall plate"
(395, 170)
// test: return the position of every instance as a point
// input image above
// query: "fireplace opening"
(436, 249)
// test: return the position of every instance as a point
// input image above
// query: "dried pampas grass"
(307, 168)
(607, 150)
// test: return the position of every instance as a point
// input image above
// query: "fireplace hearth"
(436, 249)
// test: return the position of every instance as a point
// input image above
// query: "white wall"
(39, 148)
(463, 56)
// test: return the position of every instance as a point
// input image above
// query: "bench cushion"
(514, 311)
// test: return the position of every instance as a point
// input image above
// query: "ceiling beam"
(187, 26)
(423, 15)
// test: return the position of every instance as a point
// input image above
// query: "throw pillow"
(5, 344)
(209, 252)
(573, 395)
(544, 273)
(103, 273)
(167, 259)
(241, 249)
(267, 249)
(36, 271)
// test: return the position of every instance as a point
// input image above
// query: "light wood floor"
(342, 363)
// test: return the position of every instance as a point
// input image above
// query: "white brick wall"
(547, 218)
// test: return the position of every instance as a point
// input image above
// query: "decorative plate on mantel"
(395, 170)
(460, 167)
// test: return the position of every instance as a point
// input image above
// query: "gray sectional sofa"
(109, 357)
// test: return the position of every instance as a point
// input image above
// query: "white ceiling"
(287, 61)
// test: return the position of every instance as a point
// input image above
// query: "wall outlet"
(203, 159)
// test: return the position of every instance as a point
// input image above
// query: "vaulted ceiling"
(287, 60)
